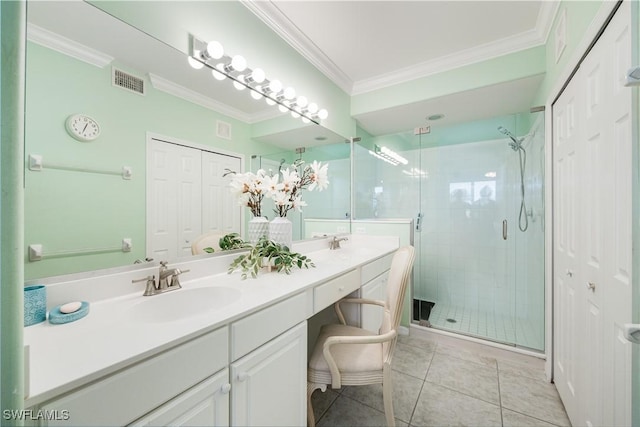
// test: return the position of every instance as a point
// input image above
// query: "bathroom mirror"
(85, 195)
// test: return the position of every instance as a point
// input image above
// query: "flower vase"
(258, 227)
(281, 231)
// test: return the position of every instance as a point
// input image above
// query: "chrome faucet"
(167, 280)
(335, 242)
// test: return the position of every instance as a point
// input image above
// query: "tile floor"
(444, 384)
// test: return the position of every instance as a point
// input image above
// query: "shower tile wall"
(491, 287)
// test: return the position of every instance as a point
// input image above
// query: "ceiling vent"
(127, 81)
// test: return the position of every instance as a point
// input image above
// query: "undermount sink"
(182, 304)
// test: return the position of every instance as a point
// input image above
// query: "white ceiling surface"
(367, 45)
(358, 44)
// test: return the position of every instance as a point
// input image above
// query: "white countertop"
(63, 357)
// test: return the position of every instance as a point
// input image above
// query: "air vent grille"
(128, 81)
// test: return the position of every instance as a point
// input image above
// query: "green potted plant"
(267, 253)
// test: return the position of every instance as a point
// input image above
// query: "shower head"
(516, 143)
(280, 165)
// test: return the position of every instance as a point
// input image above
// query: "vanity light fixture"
(212, 55)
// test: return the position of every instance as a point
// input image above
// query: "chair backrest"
(207, 240)
(399, 275)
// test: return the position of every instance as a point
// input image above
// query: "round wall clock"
(83, 128)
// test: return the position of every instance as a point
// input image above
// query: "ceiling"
(360, 45)
(368, 45)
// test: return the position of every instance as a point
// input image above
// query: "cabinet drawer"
(256, 329)
(120, 398)
(376, 268)
(326, 294)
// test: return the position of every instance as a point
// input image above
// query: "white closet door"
(220, 210)
(189, 206)
(174, 212)
(162, 233)
(616, 278)
(566, 139)
(592, 287)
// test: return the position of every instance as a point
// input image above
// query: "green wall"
(240, 32)
(66, 211)
(12, 37)
(525, 63)
(579, 16)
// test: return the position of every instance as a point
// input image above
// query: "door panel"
(601, 268)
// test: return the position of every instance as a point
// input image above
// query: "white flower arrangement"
(287, 193)
(250, 188)
(285, 188)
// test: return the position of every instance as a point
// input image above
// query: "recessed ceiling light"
(435, 117)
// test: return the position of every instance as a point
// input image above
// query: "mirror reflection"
(147, 180)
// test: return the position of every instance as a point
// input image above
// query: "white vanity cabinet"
(269, 385)
(374, 277)
(121, 398)
(206, 404)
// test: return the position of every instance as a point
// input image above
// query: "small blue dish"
(57, 317)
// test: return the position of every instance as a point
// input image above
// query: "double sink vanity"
(218, 351)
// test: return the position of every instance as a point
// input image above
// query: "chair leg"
(387, 396)
(311, 387)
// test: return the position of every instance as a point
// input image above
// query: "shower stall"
(474, 195)
(475, 192)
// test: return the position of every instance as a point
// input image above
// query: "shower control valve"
(591, 286)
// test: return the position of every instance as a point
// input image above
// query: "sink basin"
(182, 304)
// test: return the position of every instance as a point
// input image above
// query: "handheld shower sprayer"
(516, 145)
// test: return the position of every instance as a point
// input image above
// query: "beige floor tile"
(349, 412)
(412, 361)
(535, 398)
(474, 379)
(322, 401)
(514, 419)
(440, 406)
(406, 390)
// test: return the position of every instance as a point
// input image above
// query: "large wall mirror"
(85, 192)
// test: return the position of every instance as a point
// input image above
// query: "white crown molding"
(174, 89)
(67, 46)
(281, 25)
(462, 58)
(548, 12)
(269, 13)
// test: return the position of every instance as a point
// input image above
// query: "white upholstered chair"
(207, 240)
(348, 355)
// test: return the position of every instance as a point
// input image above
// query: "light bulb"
(215, 50)
(302, 101)
(313, 108)
(239, 63)
(275, 86)
(283, 107)
(258, 75)
(194, 63)
(305, 120)
(295, 114)
(270, 101)
(218, 73)
(323, 114)
(256, 93)
(289, 93)
(238, 84)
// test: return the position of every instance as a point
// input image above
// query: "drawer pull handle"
(242, 376)
(226, 388)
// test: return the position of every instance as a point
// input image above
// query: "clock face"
(82, 128)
